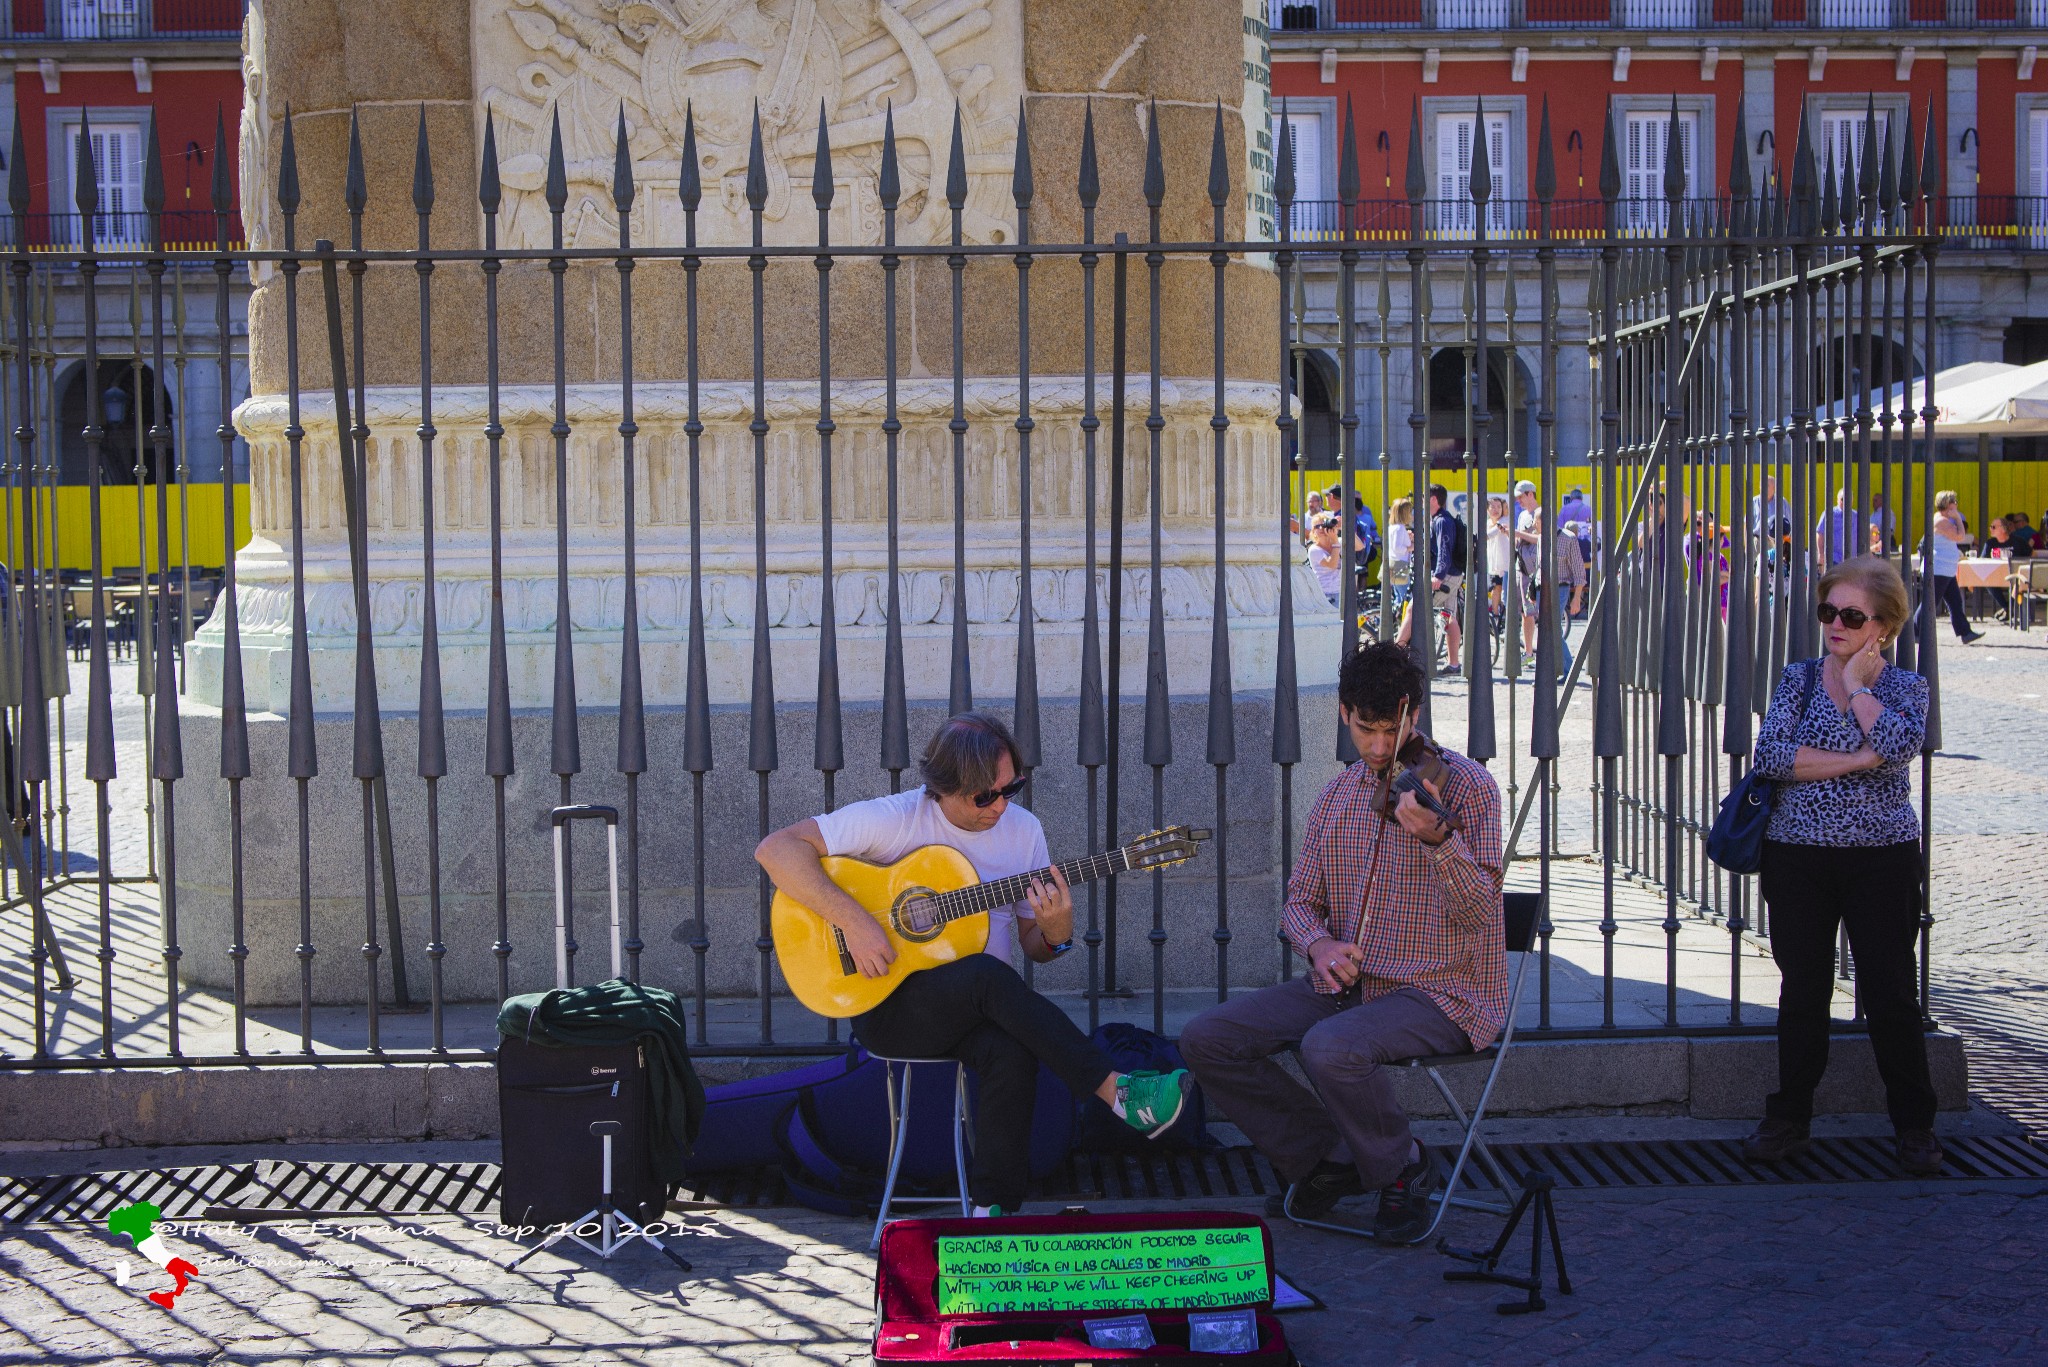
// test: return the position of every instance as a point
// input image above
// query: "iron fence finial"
(1804, 200)
(1347, 170)
(558, 167)
(689, 176)
(222, 191)
(1930, 159)
(1089, 183)
(622, 168)
(1283, 173)
(153, 175)
(86, 193)
(1867, 172)
(17, 177)
(956, 166)
(288, 166)
(1480, 182)
(1674, 158)
(890, 183)
(1740, 184)
(422, 170)
(1219, 164)
(355, 191)
(1021, 184)
(1546, 159)
(488, 194)
(1155, 164)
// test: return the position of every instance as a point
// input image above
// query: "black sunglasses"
(1010, 789)
(1853, 618)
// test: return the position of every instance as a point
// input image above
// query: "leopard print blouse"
(1871, 807)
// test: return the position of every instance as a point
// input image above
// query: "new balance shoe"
(1315, 1195)
(988, 1213)
(1152, 1101)
(1404, 1207)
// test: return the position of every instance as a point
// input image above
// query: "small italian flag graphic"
(138, 1221)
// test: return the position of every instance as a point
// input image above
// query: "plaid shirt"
(1426, 916)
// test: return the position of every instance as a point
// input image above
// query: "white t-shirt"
(882, 830)
(1400, 542)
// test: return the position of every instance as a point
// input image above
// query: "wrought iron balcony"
(74, 21)
(1487, 15)
(1992, 222)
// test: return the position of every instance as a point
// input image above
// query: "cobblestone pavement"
(1890, 1273)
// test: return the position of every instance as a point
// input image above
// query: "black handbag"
(1736, 841)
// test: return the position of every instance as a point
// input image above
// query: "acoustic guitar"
(934, 909)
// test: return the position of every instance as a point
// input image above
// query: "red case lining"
(906, 1285)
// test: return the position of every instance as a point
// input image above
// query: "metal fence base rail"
(671, 578)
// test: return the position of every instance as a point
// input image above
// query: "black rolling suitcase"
(548, 1096)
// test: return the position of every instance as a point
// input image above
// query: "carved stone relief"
(661, 61)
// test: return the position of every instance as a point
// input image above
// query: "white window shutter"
(1305, 135)
(2037, 153)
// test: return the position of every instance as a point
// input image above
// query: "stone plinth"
(843, 66)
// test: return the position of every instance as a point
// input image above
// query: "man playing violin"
(976, 1009)
(1397, 910)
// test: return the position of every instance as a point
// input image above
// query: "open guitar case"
(909, 1327)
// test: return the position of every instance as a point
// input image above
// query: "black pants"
(1873, 890)
(1947, 595)
(979, 1011)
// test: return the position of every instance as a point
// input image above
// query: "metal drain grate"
(276, 1187)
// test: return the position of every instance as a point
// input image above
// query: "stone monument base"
(668, 924)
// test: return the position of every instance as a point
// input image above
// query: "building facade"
(1831, 63)
(108, 66)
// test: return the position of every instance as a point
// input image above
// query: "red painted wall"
(1383, 92)
(1998, 90)
(186, 102)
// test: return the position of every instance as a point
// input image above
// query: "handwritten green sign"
(1151, 1269)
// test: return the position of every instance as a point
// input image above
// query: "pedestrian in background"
(1950, 531)
(1842, 851)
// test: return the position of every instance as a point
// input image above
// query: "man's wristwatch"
(1060, 948)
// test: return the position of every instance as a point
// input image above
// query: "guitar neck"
(980, 897)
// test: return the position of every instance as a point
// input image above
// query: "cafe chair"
(1520, 913)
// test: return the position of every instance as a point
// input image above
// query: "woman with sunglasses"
(976, 1009)
(1843, 849)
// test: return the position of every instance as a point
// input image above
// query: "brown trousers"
(1345, 1045)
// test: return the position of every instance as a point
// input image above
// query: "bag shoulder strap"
(1812, 683)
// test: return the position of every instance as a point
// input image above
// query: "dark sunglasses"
(1010, 789)
(1853, 618)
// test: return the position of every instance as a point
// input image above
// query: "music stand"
(615, 1229)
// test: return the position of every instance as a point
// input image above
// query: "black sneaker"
(1313, 1197)
(1775, 1141)
(1919, 1152)
(1971, 638)
(1404, 1207)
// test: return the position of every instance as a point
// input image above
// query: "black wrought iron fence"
(676, 528)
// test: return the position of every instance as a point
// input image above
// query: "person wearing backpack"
(1842, 851)
(1446, 572)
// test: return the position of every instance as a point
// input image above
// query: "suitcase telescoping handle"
(559, 819)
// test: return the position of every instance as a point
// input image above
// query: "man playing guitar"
(977, 1008)
(1399, 917)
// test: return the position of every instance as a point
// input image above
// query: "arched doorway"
(127, 394)
(1316, 386)
(1448, 426)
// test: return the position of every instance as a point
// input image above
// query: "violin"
(1416, 759)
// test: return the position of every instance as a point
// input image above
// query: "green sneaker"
(1153, 1101)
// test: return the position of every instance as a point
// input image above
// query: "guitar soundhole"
(915, 915)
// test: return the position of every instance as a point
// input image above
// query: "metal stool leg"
(899, 1122)
(960, 1137)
